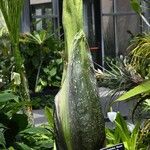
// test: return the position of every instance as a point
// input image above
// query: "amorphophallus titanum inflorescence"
(78, 118)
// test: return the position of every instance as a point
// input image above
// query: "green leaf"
(44, 83)
(142, 88)
(122, 135)
(21, 121)
(11, 148)
(7, 96)
(48, 144)
(58, 78)
(59, 61)
(117, 136)
(120, 120)
(122, 126)
(53, 71)
(15, 77)
(2, 126)
(109, 135)
(38, 88)
(2, 139)
(36, 130)
(134, 135)
(35, 61)
(49, 116)
(135, 4)
(46, 70)
(23, 146)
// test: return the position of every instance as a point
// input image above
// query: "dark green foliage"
(43, 53)
(40, 101)
(15, 130)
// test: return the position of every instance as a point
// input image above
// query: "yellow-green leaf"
(142, 88)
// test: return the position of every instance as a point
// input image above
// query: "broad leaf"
(11, 148)
(49, 116)
(36, 130)
(2, 139)
(23, 146)
(121, 122)
(142, 88)
(7, 96)
(21, 120)
(53, 72)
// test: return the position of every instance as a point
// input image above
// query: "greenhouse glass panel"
(127, 28)
(123, 6)
(108, 36)
(38, 24)
(119, 28)
(49, 15)
(107, 6)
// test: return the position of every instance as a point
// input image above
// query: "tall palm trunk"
(79, 121)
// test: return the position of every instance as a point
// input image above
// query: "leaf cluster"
(122, 134)
(43, 53)
(15, 131)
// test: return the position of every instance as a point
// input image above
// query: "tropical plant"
(123, 132)
(140, 54)
(9, 106)
(11, 11)
(143, 88)
(142, 94)
(78, 118)
(43, 50)
(140, 44)
(119, 74)
(36, 138)
(15, 130)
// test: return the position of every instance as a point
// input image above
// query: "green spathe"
(79, 120)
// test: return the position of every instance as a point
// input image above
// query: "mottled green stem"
(24, 88)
